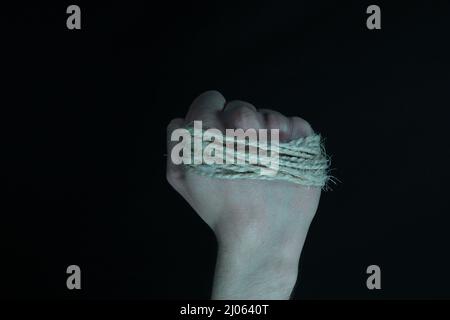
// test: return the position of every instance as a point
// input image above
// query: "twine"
(302, 161)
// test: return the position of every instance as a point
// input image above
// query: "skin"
(260, 225)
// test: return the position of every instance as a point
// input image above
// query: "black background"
(84, 115)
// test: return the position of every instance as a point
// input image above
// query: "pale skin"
(260, 225)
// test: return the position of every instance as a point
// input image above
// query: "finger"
(300, 128)
(238, 103)
(275, 120)
(206, 107)
(241, 115)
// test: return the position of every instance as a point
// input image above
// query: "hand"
(260, 225)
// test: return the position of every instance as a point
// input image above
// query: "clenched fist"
(260, 225)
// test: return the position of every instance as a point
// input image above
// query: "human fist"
(255, 221)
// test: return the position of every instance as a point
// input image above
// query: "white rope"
(302, 161)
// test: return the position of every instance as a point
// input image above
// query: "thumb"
(174, 172)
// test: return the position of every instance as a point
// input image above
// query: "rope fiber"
(302, 161)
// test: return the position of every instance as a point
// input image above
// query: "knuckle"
(243, 117)
(212, 92)
(273, 121)
(302, 124)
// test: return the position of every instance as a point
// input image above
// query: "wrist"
(244, 274)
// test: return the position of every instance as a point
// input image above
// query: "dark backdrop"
(84, 115)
